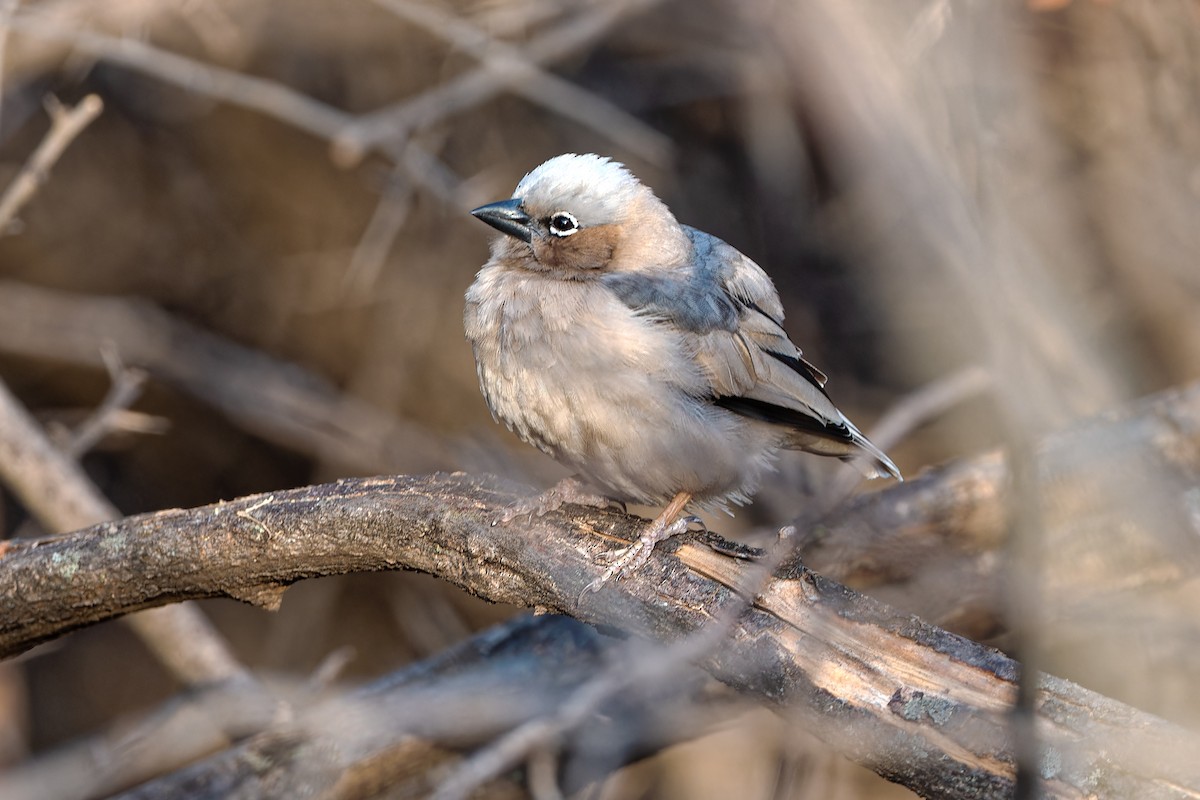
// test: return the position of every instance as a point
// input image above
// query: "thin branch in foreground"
(404, 730)
(65, 125)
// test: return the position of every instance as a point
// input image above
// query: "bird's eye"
(563, 223)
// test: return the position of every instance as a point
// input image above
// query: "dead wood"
(406, 730)
(919, 705)
(281, 402)
(1118, 494)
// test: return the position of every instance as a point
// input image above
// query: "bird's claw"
(633, 557)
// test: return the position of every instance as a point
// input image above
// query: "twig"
(927, 403)
(55, 489)
(910, 413)
(247, 91)
(537, 734)
(65, 125)
(273, 399)
(123, 391)
(523, 77)
(571, 37)
(405, 729)
(369, 256)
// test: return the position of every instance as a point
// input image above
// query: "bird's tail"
(869, 459)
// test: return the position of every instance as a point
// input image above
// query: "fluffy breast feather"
(574, 371)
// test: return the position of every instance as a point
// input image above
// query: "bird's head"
(583, 215)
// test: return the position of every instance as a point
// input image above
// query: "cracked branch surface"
(919, 705)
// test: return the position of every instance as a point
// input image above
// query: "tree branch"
(919, 705)
(55, 490)
(521, 75)
(399, 731)
(65, 125)
(278, 401)
(1122, 482)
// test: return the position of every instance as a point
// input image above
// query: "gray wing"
(733, 311)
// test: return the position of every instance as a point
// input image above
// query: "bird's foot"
(568, 490)
(630, 559)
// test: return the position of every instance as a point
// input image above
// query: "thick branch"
(56, 490)
(1118, 498)
(921, 706)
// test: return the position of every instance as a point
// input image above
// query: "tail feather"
(871, 461)
(808, 432)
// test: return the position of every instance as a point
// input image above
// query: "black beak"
(507, 217)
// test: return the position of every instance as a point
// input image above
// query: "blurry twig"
(567, 39)
(513, 68)
(270, 398)
(65, 125)
(55, 489)
(247, 91)
(909, 413)
(126, 387)
(405, 729)
(382, 229)
(927, 403)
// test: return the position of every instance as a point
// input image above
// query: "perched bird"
(647, 356)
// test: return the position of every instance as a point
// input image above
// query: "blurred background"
(270, 218)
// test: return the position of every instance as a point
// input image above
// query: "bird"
(645, 355)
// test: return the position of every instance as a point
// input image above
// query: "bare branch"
(919, 705)
(55, 489)
(345, 742)
(279, 401)
(407, 728)
(1137, 470)
(257, 94)
(124, 391)
(385, 125)
(386, 130)
(65, 125)
(523, 77)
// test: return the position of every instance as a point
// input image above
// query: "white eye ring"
(563, 223)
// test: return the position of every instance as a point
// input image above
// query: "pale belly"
(612, 396)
